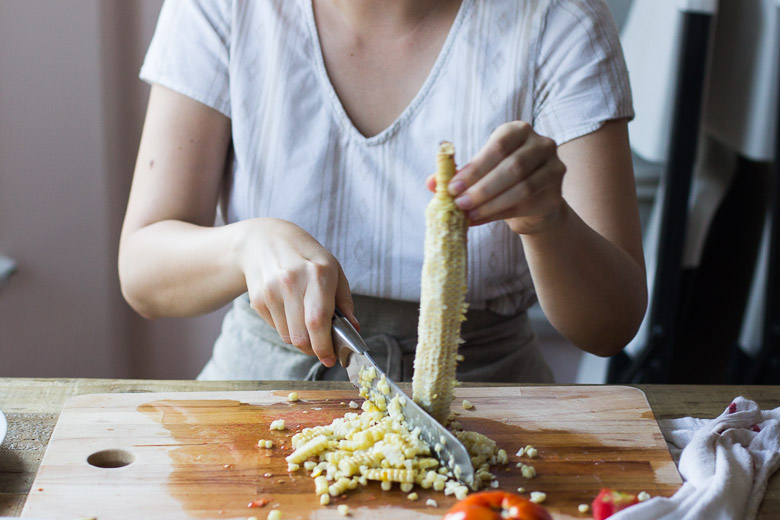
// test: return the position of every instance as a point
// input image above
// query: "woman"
(316, 123)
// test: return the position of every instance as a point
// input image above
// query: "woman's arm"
(174, 262)
(589, 268)
(580, 231)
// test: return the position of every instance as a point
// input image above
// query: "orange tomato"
(496, 505)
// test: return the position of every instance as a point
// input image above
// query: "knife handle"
(346, 339)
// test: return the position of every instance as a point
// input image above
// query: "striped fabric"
(297, 156)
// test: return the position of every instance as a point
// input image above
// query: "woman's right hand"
(294, 284)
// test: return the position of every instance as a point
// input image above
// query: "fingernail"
(464, 202)
(455, 187)
(329, 361)
(473, 216)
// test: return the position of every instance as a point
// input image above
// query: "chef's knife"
(353, 355)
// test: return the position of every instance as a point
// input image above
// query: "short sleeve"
(581, 79)
(190, 51)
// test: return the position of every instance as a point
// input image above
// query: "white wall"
(71, 109)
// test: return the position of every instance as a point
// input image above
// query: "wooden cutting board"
(195, 455)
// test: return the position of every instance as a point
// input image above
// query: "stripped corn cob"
(442, 296)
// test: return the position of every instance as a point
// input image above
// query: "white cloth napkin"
(725, 463)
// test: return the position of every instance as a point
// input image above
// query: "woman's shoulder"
(540, 18)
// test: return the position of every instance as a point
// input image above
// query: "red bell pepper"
(608, 502)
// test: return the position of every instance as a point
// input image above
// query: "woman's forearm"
(593, 292)
(172, 268)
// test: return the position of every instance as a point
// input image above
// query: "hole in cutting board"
(111, 459)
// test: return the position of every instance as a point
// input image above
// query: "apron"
(496, 348)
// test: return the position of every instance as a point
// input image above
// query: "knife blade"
(352, 353)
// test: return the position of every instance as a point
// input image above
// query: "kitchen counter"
(32, 407)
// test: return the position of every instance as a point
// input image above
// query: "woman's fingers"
(504, 141)
(516, 177)
(330, 289)
(430, 182)
(319, 304)
(515, 170)
(260, 307)
(275, 302)
(344, 299)
(525, 198)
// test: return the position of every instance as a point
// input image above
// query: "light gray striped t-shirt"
(296, 155)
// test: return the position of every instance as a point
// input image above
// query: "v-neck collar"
(419, 98)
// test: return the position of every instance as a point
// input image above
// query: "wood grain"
(194, 455)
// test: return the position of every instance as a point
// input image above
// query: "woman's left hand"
(516, 177)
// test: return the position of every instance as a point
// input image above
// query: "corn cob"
(442, 296)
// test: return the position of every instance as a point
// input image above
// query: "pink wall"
(71, 110)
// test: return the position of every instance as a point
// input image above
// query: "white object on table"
(725, 462)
